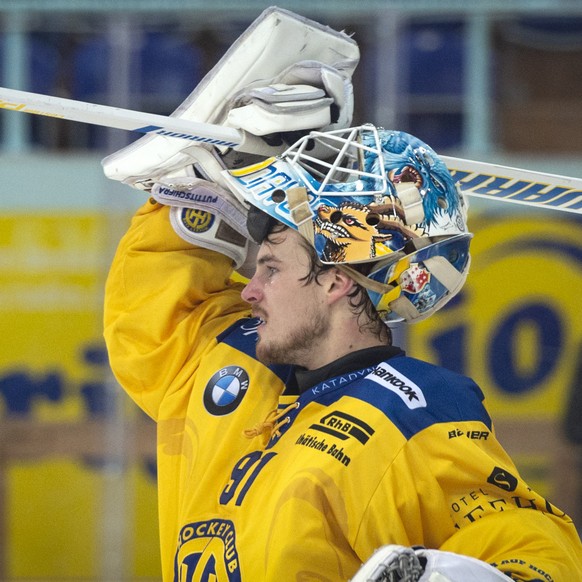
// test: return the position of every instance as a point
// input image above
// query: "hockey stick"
(118, 118)
(480, 179)
(506, 184)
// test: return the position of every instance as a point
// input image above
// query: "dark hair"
(368, 318)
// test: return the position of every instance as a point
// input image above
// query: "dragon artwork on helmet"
(381, 225)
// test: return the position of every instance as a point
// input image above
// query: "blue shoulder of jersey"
(415, 395)
(242, 336)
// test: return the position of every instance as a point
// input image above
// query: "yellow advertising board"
(55, 519)
(516, 326)
(516, 329)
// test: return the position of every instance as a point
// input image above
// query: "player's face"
(292, 312)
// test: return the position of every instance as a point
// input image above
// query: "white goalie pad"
(404, 564)
(210, 231)
(204, 196)
(206, 215)
(279, 48)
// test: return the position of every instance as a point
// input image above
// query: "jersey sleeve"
(165, 302)
(452, 487)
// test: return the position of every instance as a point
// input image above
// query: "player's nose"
(252, 293)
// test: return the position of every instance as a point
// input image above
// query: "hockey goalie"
(295, 440)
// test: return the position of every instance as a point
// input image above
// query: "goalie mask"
(380, 204)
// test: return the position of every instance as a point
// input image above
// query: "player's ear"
(339, 284)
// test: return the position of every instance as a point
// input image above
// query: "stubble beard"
(296, 347)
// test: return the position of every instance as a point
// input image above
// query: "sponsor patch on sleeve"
(396, 382)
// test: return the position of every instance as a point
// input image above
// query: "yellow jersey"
(261, 481)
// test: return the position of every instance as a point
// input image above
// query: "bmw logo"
(225, 390)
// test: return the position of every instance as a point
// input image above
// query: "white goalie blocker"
(285, 73)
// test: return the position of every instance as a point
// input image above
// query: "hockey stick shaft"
(118, 118)
(520, 186)
(479, 179)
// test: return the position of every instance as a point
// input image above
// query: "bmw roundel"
(225, 390)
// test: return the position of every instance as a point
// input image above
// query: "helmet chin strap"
(411, 201)
(362, 280)
(446, 273)
(301, 213)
